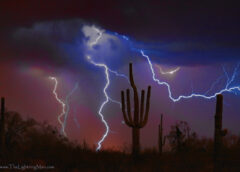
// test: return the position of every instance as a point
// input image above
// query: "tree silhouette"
(181, 138)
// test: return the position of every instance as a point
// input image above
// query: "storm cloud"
(173, 33)
(63, 43)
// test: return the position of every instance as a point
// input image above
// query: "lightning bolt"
(119, 75)
(60, 102)
(105, 102)
(107, 70)
(174, 99)
(65, 105)
(215, 83)
(68, 108)
(107, 99)
(75, 119)
(226, 89)
(100, 33)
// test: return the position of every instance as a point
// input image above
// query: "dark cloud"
(175, 32)
(192, 52)
(62, 44)
(55, 43)
(138, 18)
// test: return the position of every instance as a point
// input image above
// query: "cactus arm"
(129, 107)
(136, 101)
(123, 109)
(147, 107)
(142, 105)
(161, 126)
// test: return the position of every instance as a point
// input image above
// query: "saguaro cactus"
(139, 119)
(161, 140)
(2, 123)
(218, 133)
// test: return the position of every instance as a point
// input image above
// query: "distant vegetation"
(29, 142)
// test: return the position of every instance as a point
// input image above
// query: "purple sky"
(52, 39)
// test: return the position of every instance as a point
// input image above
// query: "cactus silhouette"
(161, 140)
(218, 133)
(139, 119)
(2, 123)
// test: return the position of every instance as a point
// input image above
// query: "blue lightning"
(107, 70)
(100, 33)
(107, 98)
(59, 101)
(226, 89)
(75, 119)
(214, 84)
(119, 75)
(64, 104)
(233, 76)
(68, 108)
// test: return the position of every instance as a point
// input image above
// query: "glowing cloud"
(68, 107)
(171, 72)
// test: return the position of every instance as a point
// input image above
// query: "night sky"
(54, 38)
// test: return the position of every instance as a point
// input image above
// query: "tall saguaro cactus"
(2, 125)
(139, 119)
(218, 133)
(161, 140)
